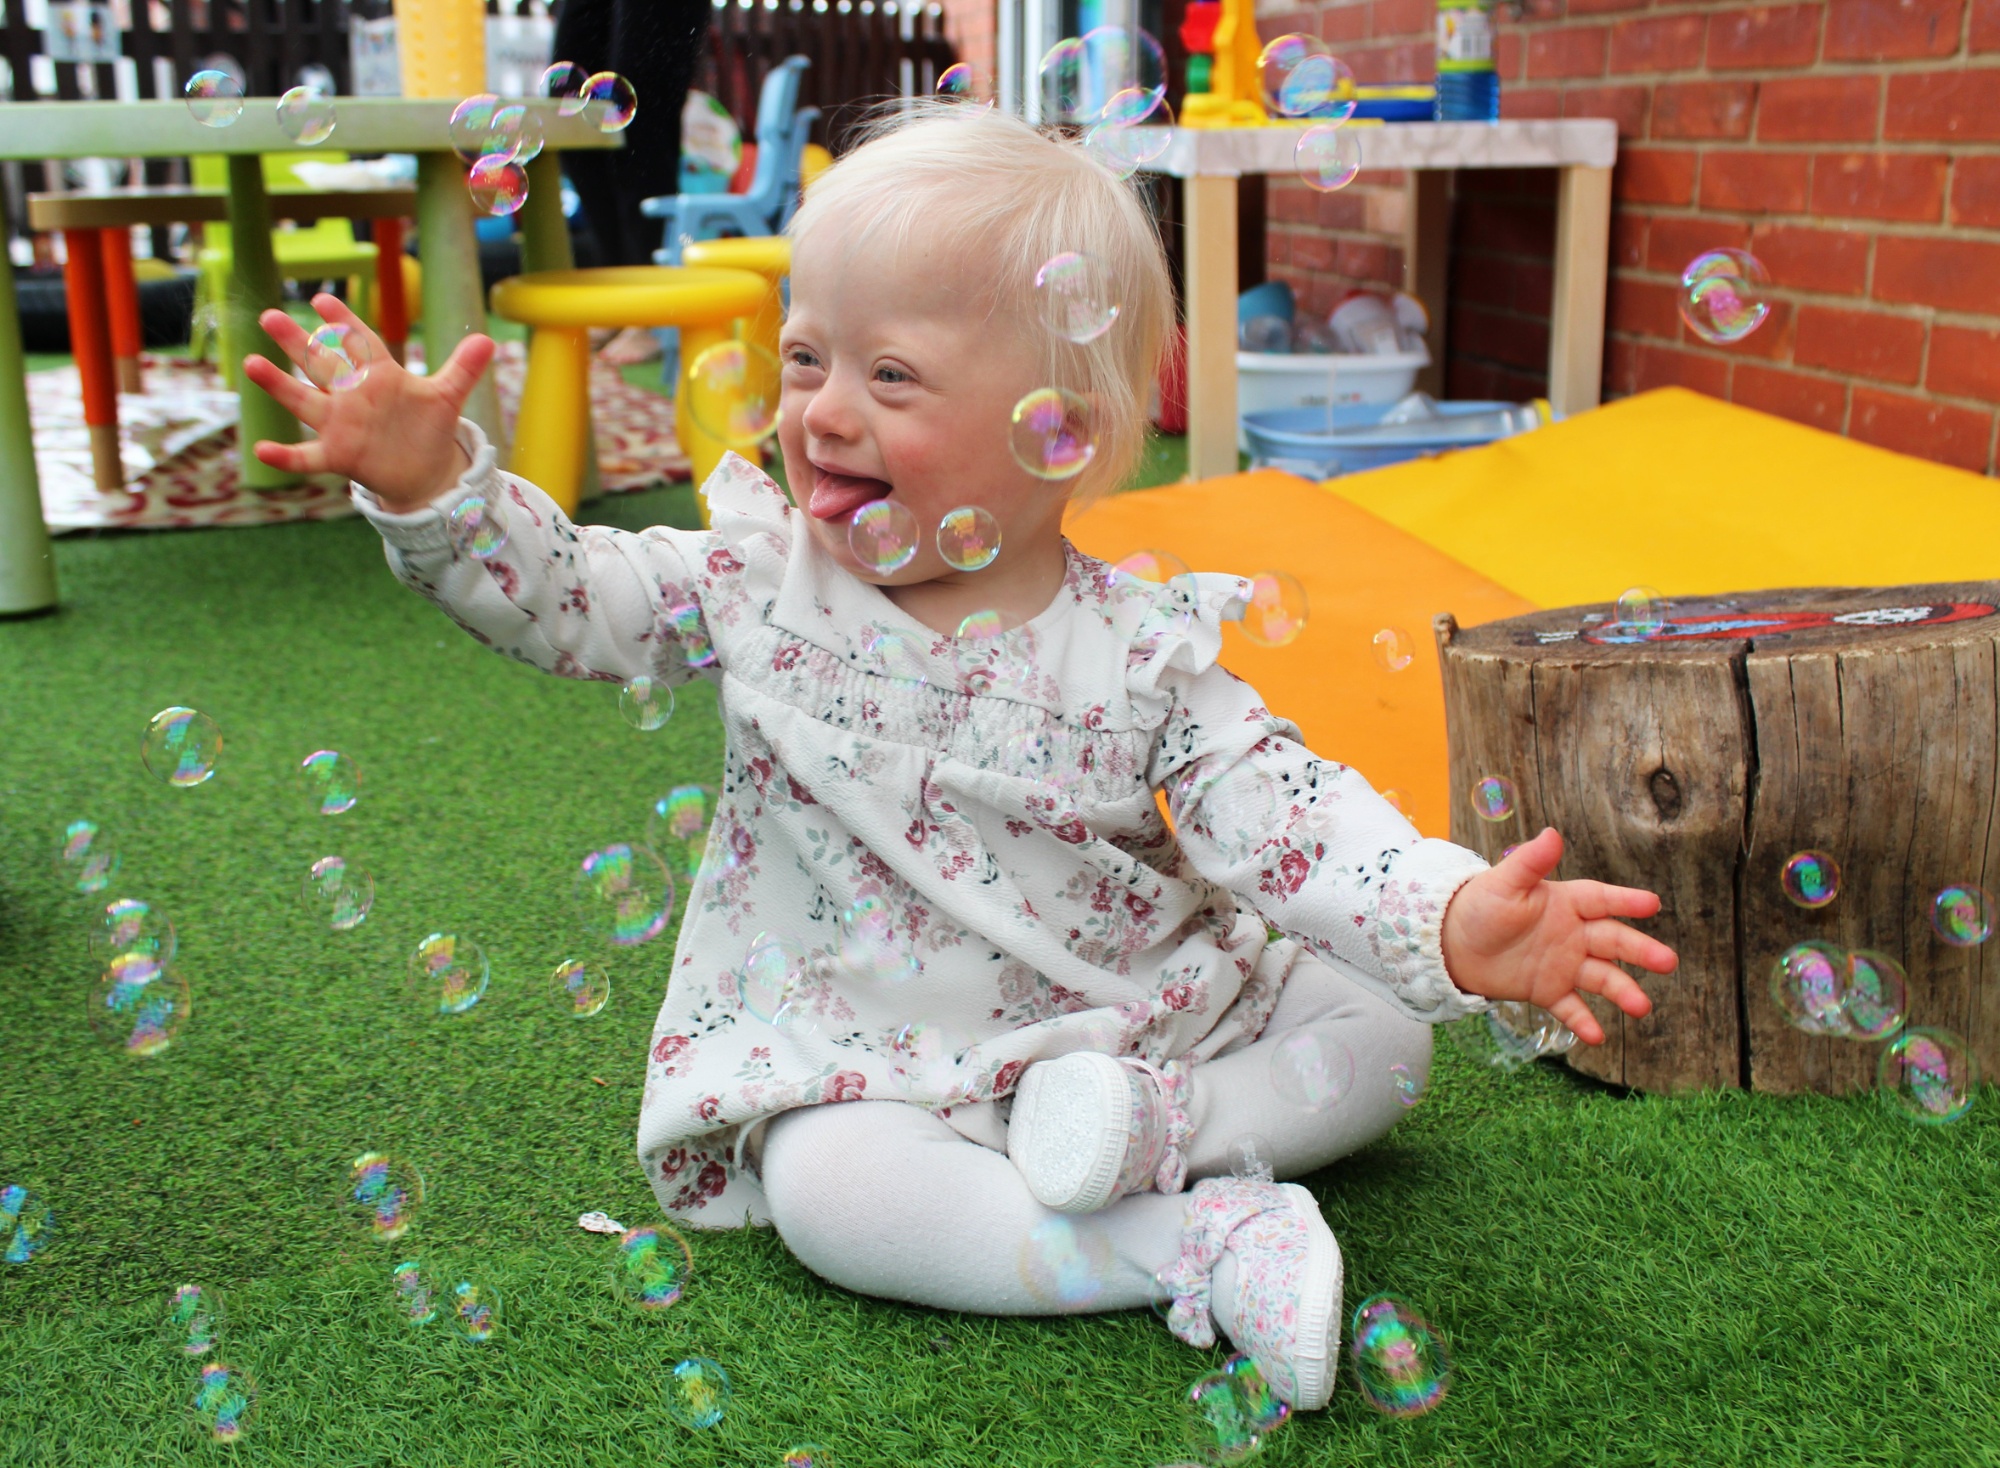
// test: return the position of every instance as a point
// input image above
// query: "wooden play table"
(453, 304)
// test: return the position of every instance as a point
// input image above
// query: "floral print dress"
(951, 847)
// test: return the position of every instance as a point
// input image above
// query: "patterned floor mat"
(178, 440)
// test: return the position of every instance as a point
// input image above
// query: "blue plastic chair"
(773, 197)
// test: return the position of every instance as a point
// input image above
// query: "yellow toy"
(1232, 98)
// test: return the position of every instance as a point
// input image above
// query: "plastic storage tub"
(1266, 381)
(1307, 441)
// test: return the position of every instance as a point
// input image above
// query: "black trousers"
(656, 46)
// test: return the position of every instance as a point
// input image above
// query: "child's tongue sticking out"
(835, 496)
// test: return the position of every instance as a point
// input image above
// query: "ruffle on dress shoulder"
(753, 519)
(1174, 629)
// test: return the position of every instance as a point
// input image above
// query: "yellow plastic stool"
(769, 256)
(561, 306)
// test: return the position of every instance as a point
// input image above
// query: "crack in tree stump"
(1695, 760)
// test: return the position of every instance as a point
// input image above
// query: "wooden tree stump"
(1695, 762)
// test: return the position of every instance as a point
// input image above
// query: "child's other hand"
(393, 432)
(1510, 933)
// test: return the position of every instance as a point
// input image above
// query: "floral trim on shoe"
(1216, 1208)
(1157, 1141)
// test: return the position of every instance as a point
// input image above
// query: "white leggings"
(884, 1199)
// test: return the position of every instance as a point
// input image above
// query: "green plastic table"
(453, 303)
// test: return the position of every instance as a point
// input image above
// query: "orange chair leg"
(121, 299)
(392, 305)
(90, 342)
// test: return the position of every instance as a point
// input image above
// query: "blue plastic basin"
(1307, 441)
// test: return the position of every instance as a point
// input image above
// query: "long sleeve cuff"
(422, 531)
(1408, 927)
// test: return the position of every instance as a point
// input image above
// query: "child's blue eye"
(890, 374)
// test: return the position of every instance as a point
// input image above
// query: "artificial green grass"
(1624, 1279)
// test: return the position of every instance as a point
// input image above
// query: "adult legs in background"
(1235, 1095)
(882, 1198)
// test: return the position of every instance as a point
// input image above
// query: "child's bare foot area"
(633, 345)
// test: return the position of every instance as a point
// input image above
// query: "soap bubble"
(1134, 131)
(968, 538)
(214, 98)
(1493, 797)
(698, 1392)
(610, 100)
(471, 126)
(1061, 75)
(1328, 157)
(1232, 1411)
(1311, 1068)
(928, 1063)
(414, 1296)
(958, 82)
(131, 928)
(475, 1311)
(1065, 1262)
(1808, 981)
(27, 1227)
(685, 621)
(565, 81)
(1509, 1035)
(338, 893)
(806, 1455)
(896, 655)
(1080, 75)
(580, 989)
(1929, 1075)
(1641, 613)
(306, 115)
(993, 649)
(1873, 996)
(1156, 566)
(193, 1319)
(1962, 914)
(1397, 799)
(773, 968)
(141, 1017)
(1400, 1363)
(651, 1269)
(477, 526)
(733, 393)
(1051, 436)
(225, 1402)
(383, 1193)
(516, 133)
(1810, 878)
(498, 185)
(181, 747)
(1394, 649)
(646, 703)
(1250, 1158)
(448, 974)
(1409, 1085)
(1280, 58)
(338, 357)
(870, 945)
(678, 826)
(1077, 297)
(625, 893)
(1234, 805)
(86, 861)
(1276, 614)
(1722, 295)
(883, 536)
(331, 780)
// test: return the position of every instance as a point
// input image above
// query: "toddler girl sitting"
(1047, 1013)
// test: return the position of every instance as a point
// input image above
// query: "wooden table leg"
(454, 303)
(121, 298)
(254, 287)
(392, 303)
(1583, 261)
(1427, 260)
(27, 569)
(90, 343)
(1211, 322)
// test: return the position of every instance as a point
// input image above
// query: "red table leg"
(90, 342)
(121, 298)
(392, 306)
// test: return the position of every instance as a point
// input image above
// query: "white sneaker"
(1089, 1128)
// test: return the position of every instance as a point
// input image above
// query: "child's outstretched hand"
(1510, 933)
(392, 431)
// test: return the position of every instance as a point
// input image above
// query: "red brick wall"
(973, 26)
(1853, 145)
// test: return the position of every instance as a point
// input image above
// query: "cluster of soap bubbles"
(215, 99)
(140, 1001)
(1301, 77)
(224, 1400)
(884, 536)
(1862, 994)
(1722, 296)
(497, 138)
(384, 1195)
(1111, 84)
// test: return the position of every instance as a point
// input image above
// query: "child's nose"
(832, 410)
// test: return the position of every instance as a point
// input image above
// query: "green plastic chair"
(323, 250)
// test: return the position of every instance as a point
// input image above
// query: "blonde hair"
(988, 185)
